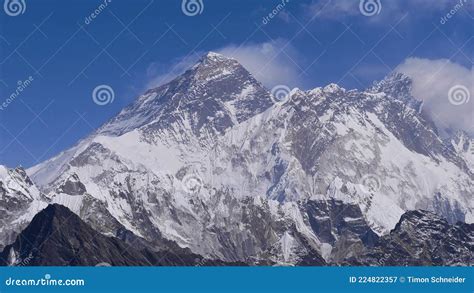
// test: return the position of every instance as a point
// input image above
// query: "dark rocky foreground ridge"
(58, 237)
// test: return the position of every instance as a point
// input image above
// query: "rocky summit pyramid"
(210, 163)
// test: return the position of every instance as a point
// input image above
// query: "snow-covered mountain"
(20, 200)
(209, 162)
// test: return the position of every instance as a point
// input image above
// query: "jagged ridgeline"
(212, 169)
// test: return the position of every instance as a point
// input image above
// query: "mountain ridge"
(194, 176)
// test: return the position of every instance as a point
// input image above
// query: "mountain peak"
(333, 88)
(395, 78)
(217, 92)
(215, 63)
(214, 55)
(395, 84)
(56, 211)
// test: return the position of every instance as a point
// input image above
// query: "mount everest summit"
(210, 167)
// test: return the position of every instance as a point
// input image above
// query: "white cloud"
(432, 81)
(341, 9)
(272, 63)
(334, 9)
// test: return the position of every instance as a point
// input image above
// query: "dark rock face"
(58, 237)
(422, 238)
(72, 186)
(331, 218)
(342, 225)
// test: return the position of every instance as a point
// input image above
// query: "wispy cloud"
(342, 9)
(272, 63)
(434, 82)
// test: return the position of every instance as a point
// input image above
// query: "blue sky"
(133, 45)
